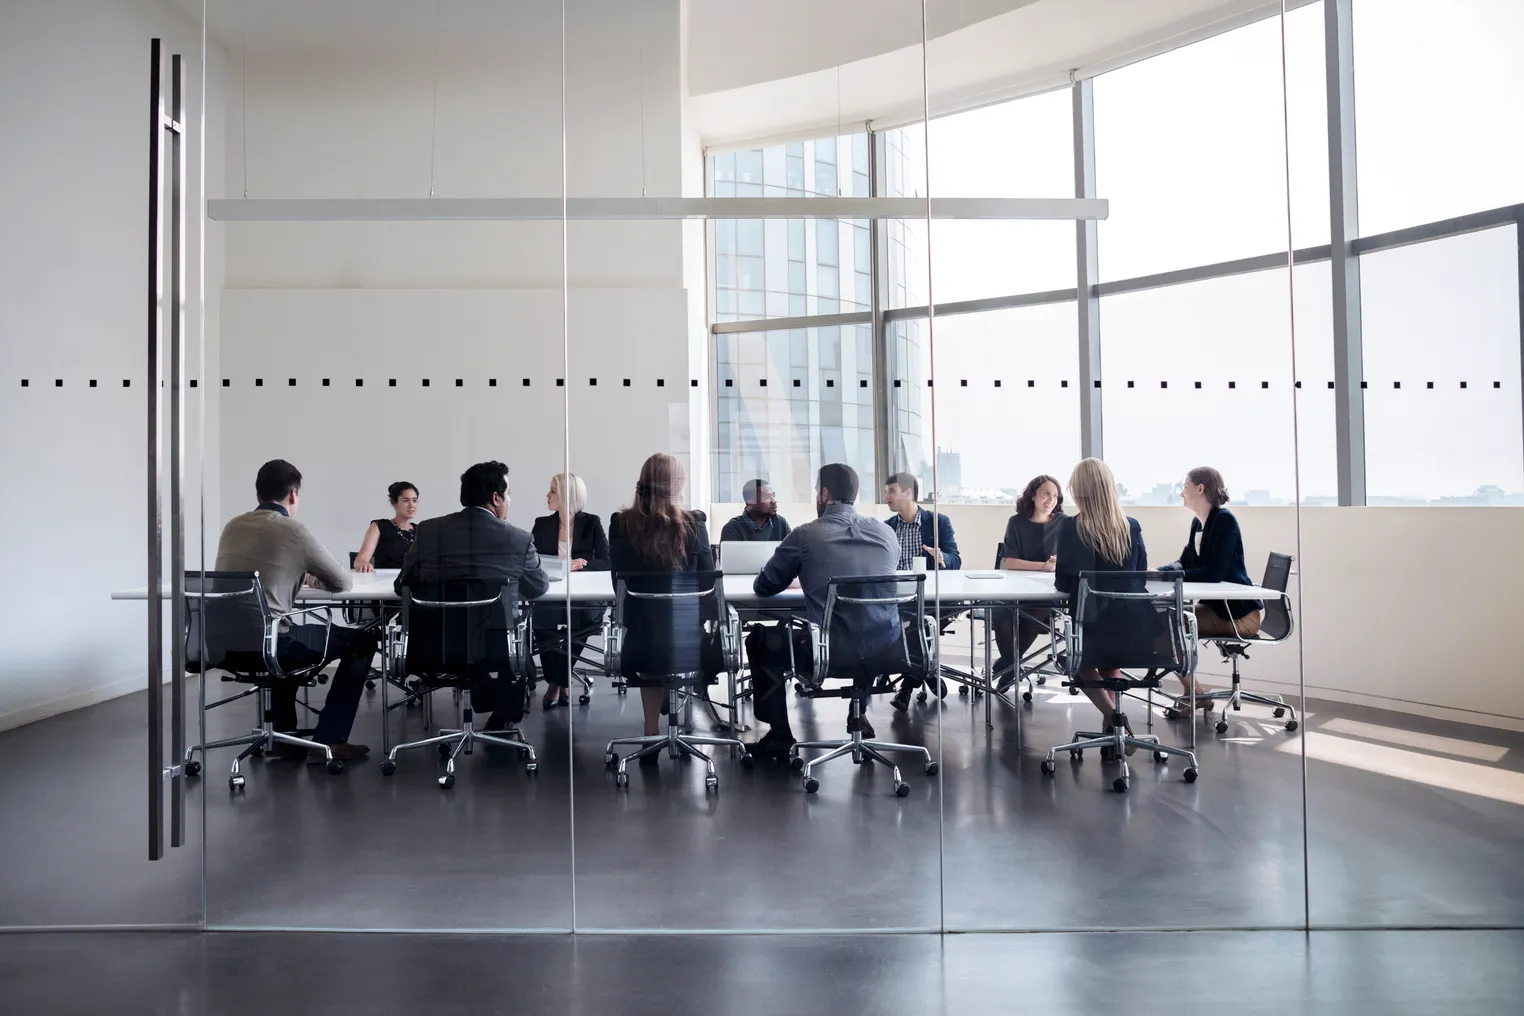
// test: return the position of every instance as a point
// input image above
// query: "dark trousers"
(767, 654)
(302, 646)
(1016, 630)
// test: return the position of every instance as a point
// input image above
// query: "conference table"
(958, 590)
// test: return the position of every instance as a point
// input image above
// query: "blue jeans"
(302, 646)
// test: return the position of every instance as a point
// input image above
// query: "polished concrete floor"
(1411, 822)
(1393, 973)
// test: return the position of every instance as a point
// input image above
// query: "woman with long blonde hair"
(576, 537)
(1098, 537)
(655, 534)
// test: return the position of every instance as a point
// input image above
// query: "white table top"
(953, 587)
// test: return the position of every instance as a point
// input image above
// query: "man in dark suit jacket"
(477, 545)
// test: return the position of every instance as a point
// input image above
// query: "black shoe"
(1004, 673)
(342, 751)
(867, 728)
(495, 724)
(901, 700)
(648, 761)
(772, 745)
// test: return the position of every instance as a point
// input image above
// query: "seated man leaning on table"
(271, 541)
(476, 545)
(839, 542)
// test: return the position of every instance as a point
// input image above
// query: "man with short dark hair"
(477, 545)
(760, 521)
(271, 541)
(921, 533)
(838, 542)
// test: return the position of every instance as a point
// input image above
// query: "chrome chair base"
(454, 742)
(860, 750)
(1235, 696)
(1119, 740)
(259, 741)
(677, 745)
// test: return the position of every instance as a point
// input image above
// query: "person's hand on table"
(795, 585)
(578, 563)
(363, 565)
(1051, 564)
(936, 555)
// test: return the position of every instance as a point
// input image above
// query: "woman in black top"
(1214, 552)
(655, 534)
(577, 537)
(387, 540)
(1099, 538)
(1031, 540)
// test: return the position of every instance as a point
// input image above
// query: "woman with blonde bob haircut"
(1098, 537)
(575, 536)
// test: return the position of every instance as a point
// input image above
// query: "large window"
(1190, 150)
(791, 267)
(1201, 374)
(1007, 400)
(1442, 413)
(789, 402)
(1438, 93)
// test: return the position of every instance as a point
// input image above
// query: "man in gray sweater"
(271, 541)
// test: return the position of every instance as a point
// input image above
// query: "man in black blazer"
(477, 544)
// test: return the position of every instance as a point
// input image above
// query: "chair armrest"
(822, 654)
(273, 630)
(730, 640)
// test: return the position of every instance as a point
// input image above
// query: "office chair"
(913, 654)
(465, 628)
(672, 630)
(1276, 626)
(229, 627)
(551, 632)
(1118, 623)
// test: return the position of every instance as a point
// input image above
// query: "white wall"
(462, 300)
(1410, 609)
(73, 270)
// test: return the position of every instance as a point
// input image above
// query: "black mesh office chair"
(840, 654)
(230, 628)
(1118, 624)
(672, 630)
(463, 630)
(1275, 626)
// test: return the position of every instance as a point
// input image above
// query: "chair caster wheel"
(811, 785)
(796, 762)
(235, 782)
(610, 758)
(584, 699)
(932, 768)
(1073, 691)
(257, 751)
(963, 690)
(1290, 725)
(798, 688)
(621, 779)
(1161, 756)
(747, 761)
(1075, 755)
(711, 783)
(1172, 714)
(1042, 680)
(1026, 696)
(1190, 774)
(1238, 707)
(322, 679)
(370, 686)
(1049, 767)
(531, 767)
(1222, 726)
(902, 790)
(921, 697)
(1278, 712)
(335, 766)
(447, 780)
(1119, 785)
(193, 769)
(388, 767)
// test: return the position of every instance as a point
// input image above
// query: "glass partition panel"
(410, 368)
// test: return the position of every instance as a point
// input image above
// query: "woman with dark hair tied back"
(1031, 543)
(387, 540)
(655, 534)
(1214, 552)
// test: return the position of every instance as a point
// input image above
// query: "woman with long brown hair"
(655, 534)
(1098, 537)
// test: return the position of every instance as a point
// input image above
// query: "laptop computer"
(745, 557)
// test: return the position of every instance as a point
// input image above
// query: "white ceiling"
(762, 69)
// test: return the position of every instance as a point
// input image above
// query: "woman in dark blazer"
(1214, 552)
(655, 534)
(1099, 538)
(575, 536)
